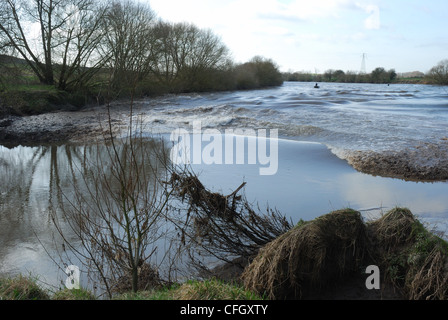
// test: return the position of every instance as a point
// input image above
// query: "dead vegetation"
(325, 252)
(281, 261)
(225, 227)
(415, 260)
(148, 279)
(21, 288)
(310, 256)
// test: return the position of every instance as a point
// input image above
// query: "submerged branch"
(224, 226)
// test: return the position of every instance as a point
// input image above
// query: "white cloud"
(237, 11)
(298, 10)
(373, 22)
(295, 33)
(277, 28)
(318, 9)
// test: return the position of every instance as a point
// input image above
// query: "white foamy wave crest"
(347, 117)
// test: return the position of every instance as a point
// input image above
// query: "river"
(319, 129)
(343, 116)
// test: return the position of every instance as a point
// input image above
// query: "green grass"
(21, 288)
(195, 290)
(73, 294)
(213, 290)
(29, 100)
(27, 288)
(30, 88)
(33, 99)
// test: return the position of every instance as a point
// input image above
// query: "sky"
(318, 35)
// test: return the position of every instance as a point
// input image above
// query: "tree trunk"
(48, 75)
(135, 279)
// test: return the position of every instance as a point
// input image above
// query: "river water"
(317, 129)
(343, 116)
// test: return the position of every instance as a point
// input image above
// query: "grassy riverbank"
(24, 100)
(337, 247)
(27, 288)
(22, 94)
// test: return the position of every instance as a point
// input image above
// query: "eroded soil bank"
(427, 162)
(87, 124)
(319, 254)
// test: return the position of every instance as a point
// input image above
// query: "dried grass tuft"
(394, 229)
(21, 288)
(148, 278)
(429, 280)
(414, 259)
(212, 289)
(309, 257)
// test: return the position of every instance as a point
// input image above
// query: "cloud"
(300, 11)
(308, 10)
(373, 22)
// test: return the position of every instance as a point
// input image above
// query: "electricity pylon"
(363, 64)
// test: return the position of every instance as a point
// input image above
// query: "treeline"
(118, 46)
(379, 75)
(437, 75)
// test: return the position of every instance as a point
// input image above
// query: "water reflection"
(311, 181)
(36, 183)
(24, 202)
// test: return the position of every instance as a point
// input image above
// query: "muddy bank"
(426, 162)
(57, 127)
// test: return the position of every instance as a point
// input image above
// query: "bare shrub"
(112, 218)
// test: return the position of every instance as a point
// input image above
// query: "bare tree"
(117, 201)
(162, 63)
(258, 72)
(66, 37)
(195, 52)
(184, 54)
(129, 40)
(439, 73)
